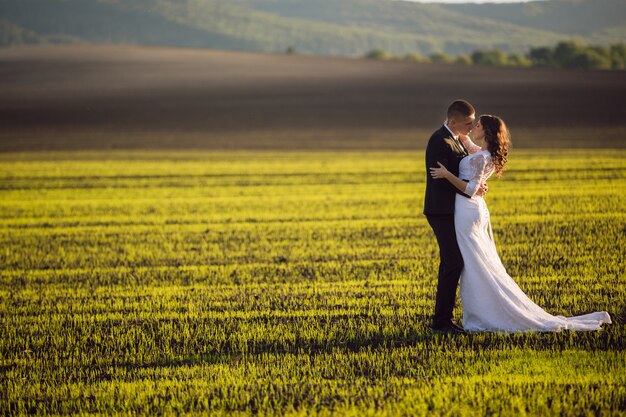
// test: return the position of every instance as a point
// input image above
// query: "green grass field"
(296, 283)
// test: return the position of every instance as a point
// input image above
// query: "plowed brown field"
(102, 97)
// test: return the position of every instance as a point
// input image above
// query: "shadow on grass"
(608, 339)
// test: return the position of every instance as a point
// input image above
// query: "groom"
(444, 146)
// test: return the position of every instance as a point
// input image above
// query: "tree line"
(566, 54)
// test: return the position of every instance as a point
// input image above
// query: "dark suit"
(439, 210)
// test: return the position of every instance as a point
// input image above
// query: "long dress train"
(492, 300)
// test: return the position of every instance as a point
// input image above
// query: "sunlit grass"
(295, 283)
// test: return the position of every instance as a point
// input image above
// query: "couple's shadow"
(425, 340)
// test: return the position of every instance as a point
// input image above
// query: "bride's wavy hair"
(498, 140)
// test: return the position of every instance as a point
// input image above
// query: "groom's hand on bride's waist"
(482, 190)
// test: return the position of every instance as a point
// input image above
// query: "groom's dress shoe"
(459, 328)
(448, 328)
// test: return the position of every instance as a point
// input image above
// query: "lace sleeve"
(469, 144)
(482, 167)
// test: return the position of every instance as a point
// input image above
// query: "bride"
(491, 299)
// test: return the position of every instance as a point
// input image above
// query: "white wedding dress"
(492, 301)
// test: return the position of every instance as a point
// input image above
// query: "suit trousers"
(450, 267)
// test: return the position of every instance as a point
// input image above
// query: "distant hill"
(324, 27)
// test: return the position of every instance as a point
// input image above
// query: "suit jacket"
(442, 147)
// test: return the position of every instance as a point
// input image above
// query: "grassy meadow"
(295, 283)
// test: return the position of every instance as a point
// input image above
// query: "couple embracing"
(457, 171)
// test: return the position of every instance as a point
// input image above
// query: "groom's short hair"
(460, 108)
